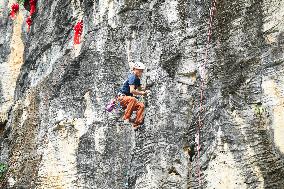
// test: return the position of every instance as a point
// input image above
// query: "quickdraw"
(118, 107)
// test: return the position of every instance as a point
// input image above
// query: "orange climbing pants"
(130, 104)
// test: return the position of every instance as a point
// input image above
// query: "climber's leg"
(129, 102)
(139, 108)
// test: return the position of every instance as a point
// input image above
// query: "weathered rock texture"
(56, 134)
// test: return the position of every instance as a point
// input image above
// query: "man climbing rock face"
(132, 86)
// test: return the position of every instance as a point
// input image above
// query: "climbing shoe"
(135, 127)
(126, 121)
(129, 120)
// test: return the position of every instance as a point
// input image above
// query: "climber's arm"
(136, 92)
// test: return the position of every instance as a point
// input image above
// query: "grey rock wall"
(55, 132)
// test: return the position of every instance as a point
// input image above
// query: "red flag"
(14, 10)
(78, 32)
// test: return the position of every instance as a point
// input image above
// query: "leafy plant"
(21, 2)
(3, 169)
(258, 110)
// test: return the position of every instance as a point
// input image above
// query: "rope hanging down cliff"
(202, 73)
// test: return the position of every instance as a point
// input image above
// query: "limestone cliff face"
(55, 132)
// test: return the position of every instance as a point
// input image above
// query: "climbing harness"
(78, 30)
(202, 73)
(140, 98)
(14, 10)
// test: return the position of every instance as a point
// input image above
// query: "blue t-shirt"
(131, 80)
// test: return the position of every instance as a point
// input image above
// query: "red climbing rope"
(78, 32)
(32, 7)
(29, 22)
(202, 73)
(14, 10)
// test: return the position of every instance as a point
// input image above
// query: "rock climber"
(131, 89)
